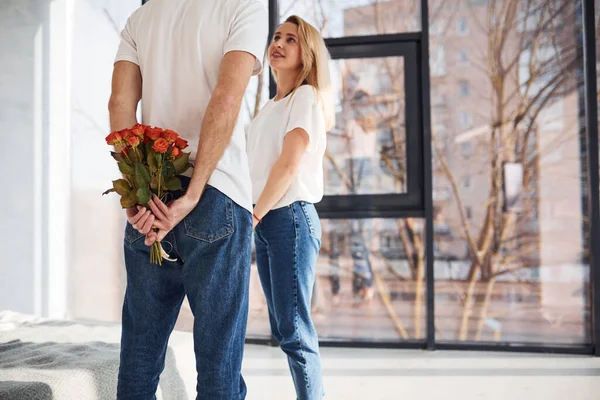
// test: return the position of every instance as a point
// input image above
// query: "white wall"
(24, 29)
(96, 267)
(60, 240)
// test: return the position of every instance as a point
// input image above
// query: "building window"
(462, 27)
(466, 149)
(469, 213)
(439, 130)
(438, 61)
(463, 58)
(465, 120)
(464, 88)
(466, 182)
(436, 28)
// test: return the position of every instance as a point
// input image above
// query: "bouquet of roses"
(150, 160)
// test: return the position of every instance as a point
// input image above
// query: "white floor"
(414, 375)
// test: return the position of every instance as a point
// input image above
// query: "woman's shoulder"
(306, 94)
(307, 90)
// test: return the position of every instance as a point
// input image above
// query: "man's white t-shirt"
(178, 46)
(265, 144)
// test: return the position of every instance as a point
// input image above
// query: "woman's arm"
(283, 172)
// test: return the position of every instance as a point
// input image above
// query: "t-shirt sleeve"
(306, 113)
(128, 48)
(249, 32)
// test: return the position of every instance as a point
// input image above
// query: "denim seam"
(177, 248)
(311, 226)
(132, 238)
(226, 232)
(296, 316)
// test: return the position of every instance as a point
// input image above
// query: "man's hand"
(140, 218)
(167, 217)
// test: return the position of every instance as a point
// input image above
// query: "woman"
(286, 143)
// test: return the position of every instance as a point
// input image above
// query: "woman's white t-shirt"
(265, 144)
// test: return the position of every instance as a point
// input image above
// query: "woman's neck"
(285, 84)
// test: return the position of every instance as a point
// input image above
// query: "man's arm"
(220, 117)
(215, 134)
(125, 96)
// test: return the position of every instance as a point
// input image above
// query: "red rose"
(176, 152)
(138, 129)
(153, 133)
(114, 138)
(133, 140)
(170, 135)
(161, 145)
(181, 143)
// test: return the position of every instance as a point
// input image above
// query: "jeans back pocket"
(212, 219)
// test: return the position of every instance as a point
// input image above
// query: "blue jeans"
(212, 246)
(287, 246)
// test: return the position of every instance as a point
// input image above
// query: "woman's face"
(284, 50)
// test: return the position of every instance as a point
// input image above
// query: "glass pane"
(511, 261)
(370, 280)
(366, 151)
(338, 18)
(367, 282)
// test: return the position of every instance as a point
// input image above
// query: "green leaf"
(142, 175)
(134, 156)
(129, 200)
(121, 186)
(118, 157)
(169, 170)
(188, 166)
(125, 168)
(181, 163)
(151, 159)
(143, 195)
(174, 183)
(108, 191)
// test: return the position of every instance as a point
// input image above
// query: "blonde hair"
(315, 67)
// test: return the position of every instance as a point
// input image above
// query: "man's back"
(178, 46)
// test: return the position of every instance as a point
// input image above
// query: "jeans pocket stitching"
(225, 231)
(311, 226)
(132, 235)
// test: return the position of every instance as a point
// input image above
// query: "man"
(189, 62)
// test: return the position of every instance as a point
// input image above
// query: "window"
(465, 120)
(463, 58)
(439, 130)
(466, 149)
(464, 88)
(337, 19)
(462, 27)
(436, 27)
(438, 99)
(374, 165)
(438, 60)
(466, 182)
(469, 212)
